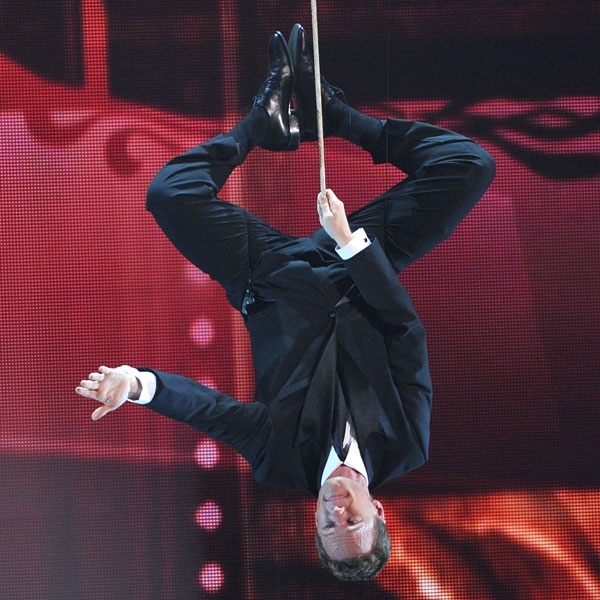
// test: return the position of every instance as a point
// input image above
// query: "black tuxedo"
(320, 327)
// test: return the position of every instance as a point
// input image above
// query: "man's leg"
(447, 173)
(221, 238)
(216, 236)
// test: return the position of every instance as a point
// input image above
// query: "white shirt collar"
(353, 460)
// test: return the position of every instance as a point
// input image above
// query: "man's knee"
(486, 165)
(171, 187)
(157, 193)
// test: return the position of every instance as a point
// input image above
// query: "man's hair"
(362, 567)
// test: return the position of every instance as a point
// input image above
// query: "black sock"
(346, 122)
(251, 130)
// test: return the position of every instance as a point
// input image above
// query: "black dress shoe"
(304, 86)
(275, 97)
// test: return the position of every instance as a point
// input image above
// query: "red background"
(94, 98)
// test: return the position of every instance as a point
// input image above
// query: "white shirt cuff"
(357, 244)
(147, 381)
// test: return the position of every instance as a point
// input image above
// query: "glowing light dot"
(202, 331)
(207, 454)
(431, 590)
(211, 577)
(208, 516)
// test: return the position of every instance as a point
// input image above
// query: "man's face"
(345, 517)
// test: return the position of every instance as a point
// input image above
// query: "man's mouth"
(335, 497)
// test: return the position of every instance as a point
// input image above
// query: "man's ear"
(379, 507)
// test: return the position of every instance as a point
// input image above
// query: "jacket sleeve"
(378, 284)
(390, 305)
(244, 426)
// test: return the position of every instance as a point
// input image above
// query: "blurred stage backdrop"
(94, 97)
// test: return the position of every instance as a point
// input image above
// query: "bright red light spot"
(202, 331)
(211, 577)
(207, 454)
(208, 516)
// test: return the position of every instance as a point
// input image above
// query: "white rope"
(315, 32)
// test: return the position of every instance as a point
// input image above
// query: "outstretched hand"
(332, 216)
(109, 387)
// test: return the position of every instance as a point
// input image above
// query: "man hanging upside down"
(343, 392)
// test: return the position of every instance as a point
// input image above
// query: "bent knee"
(170, 187)
(159, 192)
(483, 167)
(487, 164)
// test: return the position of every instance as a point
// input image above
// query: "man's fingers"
(107, 386)
(328, 202)
(323, 207)
(329, 197)
(86, 392)
(89, 384)
(100, 412)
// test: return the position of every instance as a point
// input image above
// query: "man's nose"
(337, 513)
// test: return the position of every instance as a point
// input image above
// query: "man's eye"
(352, 522)
(328, 526)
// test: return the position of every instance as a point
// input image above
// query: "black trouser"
(447, 174)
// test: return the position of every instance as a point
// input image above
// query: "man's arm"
(379, 287)
(372, 272)
(405, 338)
(244, 426)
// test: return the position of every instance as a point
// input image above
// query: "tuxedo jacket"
(318, 320)
(321, 327)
